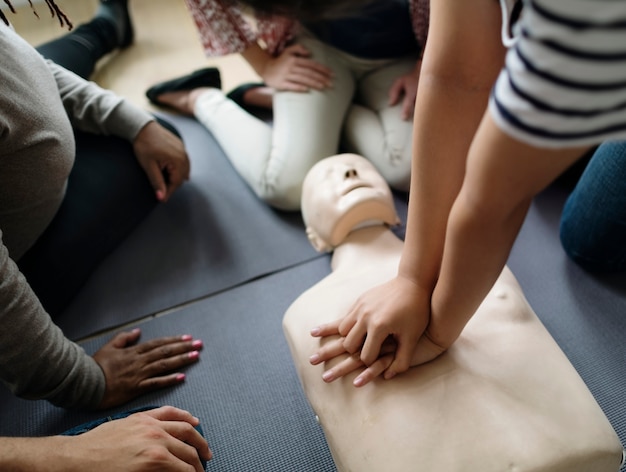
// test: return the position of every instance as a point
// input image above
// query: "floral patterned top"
(227, 29)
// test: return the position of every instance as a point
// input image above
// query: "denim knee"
(593, 223)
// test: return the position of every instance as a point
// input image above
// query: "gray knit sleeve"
(96, 110)
(36, 360)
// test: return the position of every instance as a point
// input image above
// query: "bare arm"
(462, 59)
(502, 178)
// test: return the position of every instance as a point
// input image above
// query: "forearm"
(436, 175)
(502, 178)
(96, 110)
(35, 455)
(36, 360)
(257, 57)
(457, 71)
(477, 247)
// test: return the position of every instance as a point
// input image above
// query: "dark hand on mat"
(162, 156)
(161, 439)
(133, 369)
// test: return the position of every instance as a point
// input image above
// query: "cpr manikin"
(503, 398)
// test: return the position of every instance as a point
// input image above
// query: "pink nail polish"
(197, 344)
(180, 377)
(186, 337)
(193, 355)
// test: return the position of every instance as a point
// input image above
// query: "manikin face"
(341, 193)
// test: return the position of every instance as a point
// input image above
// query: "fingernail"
(316, 331)
(358, 382)
(186, 337)
(180, 377)
(389, 375)
(314, 359)
(196, 344)
(328, 376)
(193, 355)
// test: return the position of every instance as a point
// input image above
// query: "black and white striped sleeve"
(564, 81)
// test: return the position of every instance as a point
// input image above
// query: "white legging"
(307, 127)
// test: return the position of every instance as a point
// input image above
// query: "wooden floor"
(166, 45)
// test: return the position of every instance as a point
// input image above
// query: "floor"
(166, 45)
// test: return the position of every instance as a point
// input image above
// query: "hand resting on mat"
(133, 369)
(162, 439)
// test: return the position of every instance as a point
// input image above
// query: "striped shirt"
(564, 80)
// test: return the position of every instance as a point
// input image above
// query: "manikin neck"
(364, 246)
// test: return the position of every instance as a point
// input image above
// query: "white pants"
(307, 127)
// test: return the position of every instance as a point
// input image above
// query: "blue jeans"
(85, 427)
(593, 223)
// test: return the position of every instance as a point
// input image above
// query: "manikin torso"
(503, 398)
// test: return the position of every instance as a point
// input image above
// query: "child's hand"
(396, 311)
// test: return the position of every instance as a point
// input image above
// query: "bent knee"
(285, 196)
(594, 251)
(396, 170)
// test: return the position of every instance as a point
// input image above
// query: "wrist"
(441, 340)
(257, 57)
(49, 454)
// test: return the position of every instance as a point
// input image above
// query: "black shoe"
(116, 11)
(237, 94)
(208, 77)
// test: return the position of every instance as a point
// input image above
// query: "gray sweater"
(40, 102)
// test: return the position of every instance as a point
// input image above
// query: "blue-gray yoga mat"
(244, 388)
(585, 313)
(246, 391)
(212, 235)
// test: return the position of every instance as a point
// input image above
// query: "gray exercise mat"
(212, 235)
(244, 389)
(586, 314)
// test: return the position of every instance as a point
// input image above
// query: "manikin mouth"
(354, 186)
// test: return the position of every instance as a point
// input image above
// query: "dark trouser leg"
(593, 224)
(108, 195)
(80, 50)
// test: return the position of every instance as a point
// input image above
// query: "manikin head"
(340, 194)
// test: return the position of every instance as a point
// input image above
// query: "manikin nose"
(350, 173)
